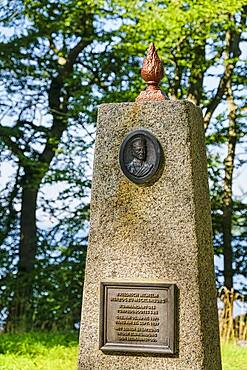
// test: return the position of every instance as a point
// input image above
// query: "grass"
(58, 351)
(38, 351)
(233, 357)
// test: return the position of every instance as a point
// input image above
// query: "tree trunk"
(227, 197)
(195, 88)
(20, 312)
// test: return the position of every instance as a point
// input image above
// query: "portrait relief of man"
(138, 166)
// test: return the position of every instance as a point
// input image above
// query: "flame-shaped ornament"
(152, 73)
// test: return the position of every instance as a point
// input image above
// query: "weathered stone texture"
(155, 233)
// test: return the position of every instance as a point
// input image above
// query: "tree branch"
(11, 212)
(58, 103)
(232, 53)
(6, 133)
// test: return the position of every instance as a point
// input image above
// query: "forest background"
(59, 60)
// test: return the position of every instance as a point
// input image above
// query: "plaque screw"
(152, 73)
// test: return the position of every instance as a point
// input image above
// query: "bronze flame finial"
(152, 73)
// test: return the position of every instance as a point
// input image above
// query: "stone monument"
(149, 299)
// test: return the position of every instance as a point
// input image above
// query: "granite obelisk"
(149, 300)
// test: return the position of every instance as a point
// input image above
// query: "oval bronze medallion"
(141, 157)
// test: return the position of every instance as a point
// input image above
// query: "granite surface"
(156, 233)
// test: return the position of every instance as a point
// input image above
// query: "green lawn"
(234, 357)
(38, 351)
(51, 351)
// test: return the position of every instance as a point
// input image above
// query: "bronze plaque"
(137, 317)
